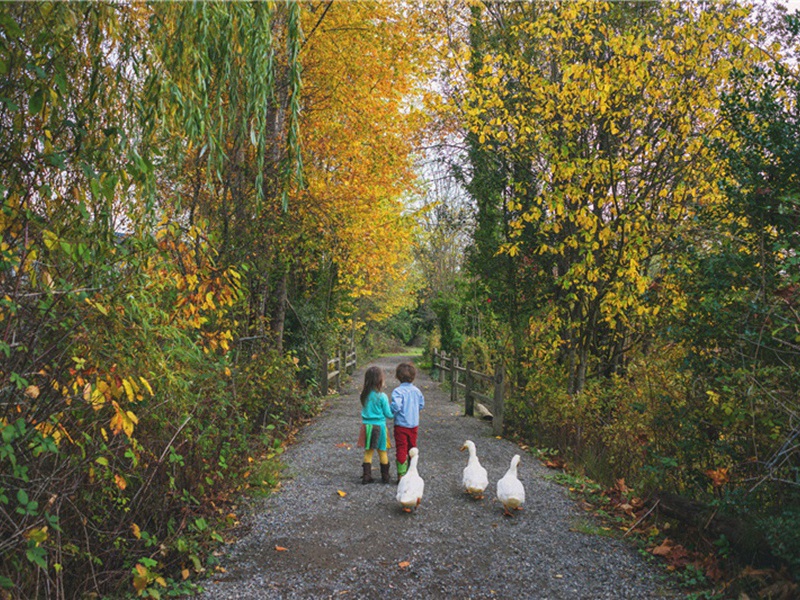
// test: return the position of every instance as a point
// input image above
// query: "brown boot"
(385, 473)
(367, 476)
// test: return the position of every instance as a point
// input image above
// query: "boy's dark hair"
(406, 372)
(373, 381)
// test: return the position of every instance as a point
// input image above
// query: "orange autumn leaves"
(360, 78)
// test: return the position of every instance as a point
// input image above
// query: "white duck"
(411, 486)
(509, 489)
(475, 478)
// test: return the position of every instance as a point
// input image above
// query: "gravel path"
(455, 547)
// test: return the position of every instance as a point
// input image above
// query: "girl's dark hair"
(373, 380)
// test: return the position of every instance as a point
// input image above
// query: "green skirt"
(374, 437)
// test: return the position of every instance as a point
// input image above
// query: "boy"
(407, 401)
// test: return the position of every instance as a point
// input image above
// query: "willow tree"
(104, 108)
(227, 82)
(601, 113)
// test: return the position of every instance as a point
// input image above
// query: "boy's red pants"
(405, 438)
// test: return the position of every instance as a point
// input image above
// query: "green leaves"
(36, 102)
(26, 505)
(10, 26)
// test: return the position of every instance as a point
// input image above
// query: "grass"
(264, 477)
(588, 527)
(407, 351)
(266, 471)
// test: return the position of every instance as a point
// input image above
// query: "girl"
(374, 433)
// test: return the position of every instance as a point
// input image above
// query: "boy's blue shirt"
(376, 410)
(407, 401)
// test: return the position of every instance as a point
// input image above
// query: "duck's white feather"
(475, 478)
(510, 491)
(411, 485)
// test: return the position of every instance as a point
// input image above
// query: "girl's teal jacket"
(376, 410)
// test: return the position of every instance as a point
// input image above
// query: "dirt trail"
(363, 546)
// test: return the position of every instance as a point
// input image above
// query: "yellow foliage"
(358, 142)
(616, 117)
(123, 420)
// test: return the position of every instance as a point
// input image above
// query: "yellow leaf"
(185, 574)
(98, 306)
(140, 577)
(38, 535)
(280, 549)
(137, 533)
(32, 392)
(120, 480)
(341, 493)
(160, 581)
(146, 384)
(128, 390)
(404, 565)
(122, 420)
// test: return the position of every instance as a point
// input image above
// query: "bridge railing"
(469, 379)
(333, 369)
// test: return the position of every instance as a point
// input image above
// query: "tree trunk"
(278, 319)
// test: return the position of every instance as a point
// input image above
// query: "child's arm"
(397, 402)
(387, 410)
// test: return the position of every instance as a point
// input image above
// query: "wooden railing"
(471, 378)
(332, 369)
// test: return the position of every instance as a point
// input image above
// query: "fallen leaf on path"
(344, 445)
(280, 549)
(555, 463)
(404, 565)
(341, 493)
(663, 549)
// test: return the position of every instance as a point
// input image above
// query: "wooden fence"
(469, 383)
(332, 369)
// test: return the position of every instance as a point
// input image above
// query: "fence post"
(342, 365)
(469, 401)
(442, 362)
(323, 373)
(436, 366)
(499, 385)
(454, 379)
